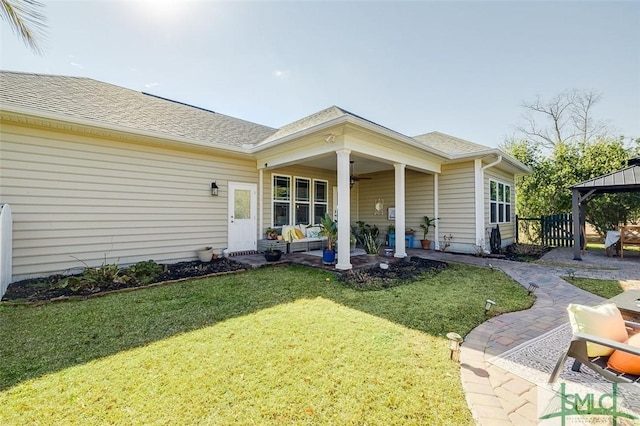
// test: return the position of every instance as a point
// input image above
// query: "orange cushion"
(625, 362)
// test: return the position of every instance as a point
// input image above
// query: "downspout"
(260, 203)
(480, 201)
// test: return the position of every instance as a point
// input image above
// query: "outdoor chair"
(597, 352)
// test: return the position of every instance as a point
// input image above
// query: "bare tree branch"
(564, 118)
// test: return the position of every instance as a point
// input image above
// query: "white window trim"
(295, 201)
(498, 203)
(273, 200)
(313, 196)
(292, 196)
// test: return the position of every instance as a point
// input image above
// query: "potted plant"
(371, 244)
(205, 254)
(271, 233)
(329, 228)
(427, 223)
(391, 234)
(272, 255)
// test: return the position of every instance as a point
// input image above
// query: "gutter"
(495, 163)
(35, 115)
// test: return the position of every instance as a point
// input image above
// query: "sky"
(461, 68)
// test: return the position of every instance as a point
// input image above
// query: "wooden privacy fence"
(555, 230)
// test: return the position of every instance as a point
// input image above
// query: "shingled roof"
(104, 105)
(108, 104)
(450, 144)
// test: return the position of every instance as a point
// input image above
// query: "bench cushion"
(603, 321)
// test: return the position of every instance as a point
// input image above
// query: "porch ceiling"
(361, 165)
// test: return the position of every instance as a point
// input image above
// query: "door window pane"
(242, 204)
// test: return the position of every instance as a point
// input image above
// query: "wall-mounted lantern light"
(214, 189)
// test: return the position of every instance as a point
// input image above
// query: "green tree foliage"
(568, 148)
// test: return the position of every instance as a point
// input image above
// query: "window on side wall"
(500, 195)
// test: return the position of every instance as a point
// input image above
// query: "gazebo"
(625, 180)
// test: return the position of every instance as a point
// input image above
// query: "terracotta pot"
(426, 244)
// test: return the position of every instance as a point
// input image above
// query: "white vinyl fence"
(6, 230)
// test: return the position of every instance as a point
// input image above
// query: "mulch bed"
(43, 289)
(398, 273)
(525, 252)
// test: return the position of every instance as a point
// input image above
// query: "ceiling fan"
(353, 178)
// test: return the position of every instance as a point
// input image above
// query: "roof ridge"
(178, 102)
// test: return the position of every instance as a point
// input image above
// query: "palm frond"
(27, 20)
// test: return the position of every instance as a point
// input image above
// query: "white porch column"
(400, 220)
(344, 211)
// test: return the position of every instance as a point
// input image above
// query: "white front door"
(242, 216)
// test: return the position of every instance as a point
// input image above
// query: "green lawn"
(269, 346)
(604, 288)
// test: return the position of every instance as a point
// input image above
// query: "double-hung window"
(299, 200)
(303, 201)
(320, 199)
(281, 200)
(500, 194)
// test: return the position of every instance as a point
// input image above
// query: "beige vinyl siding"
(507, 230)
(293, 171)
(418, 200)
(457, 204)
(79, 199)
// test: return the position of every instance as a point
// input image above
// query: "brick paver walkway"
(495, 396)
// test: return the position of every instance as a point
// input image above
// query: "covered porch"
(369, 176)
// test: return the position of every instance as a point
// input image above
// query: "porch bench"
(307, 244)
(629, 236)
(307, 238)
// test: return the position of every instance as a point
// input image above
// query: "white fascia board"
(317, 128)
(492, 151)
(352, 120)
(80, 124)
(395, 135)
